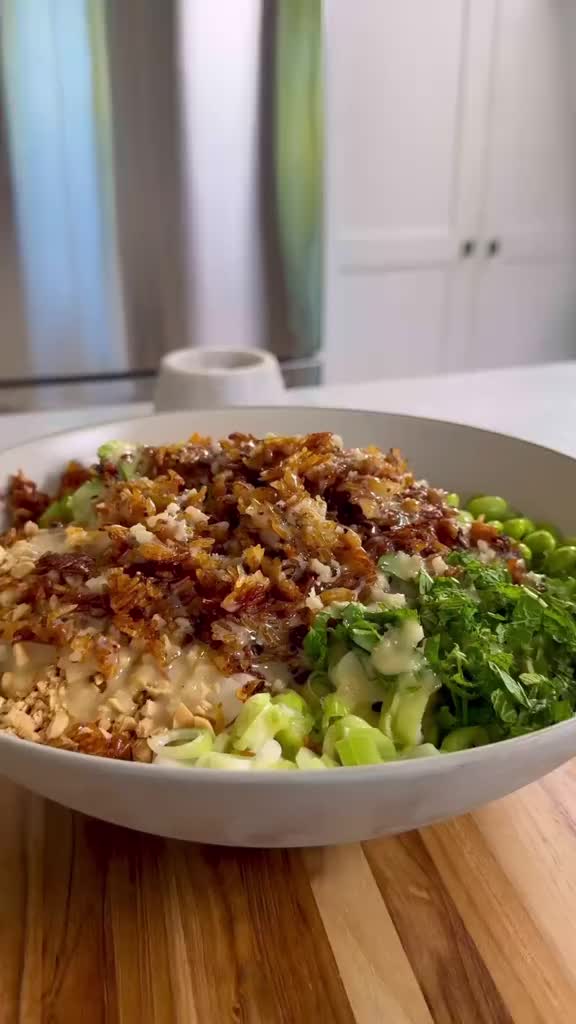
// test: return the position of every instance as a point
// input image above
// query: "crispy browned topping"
(24, 501)
(90, 739)
(235, 543)
(70, 563)
(480, 531)
(73, 477)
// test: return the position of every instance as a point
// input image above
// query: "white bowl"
(310, 808)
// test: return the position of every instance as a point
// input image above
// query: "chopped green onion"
(292, 736)
(83, 500)
(358, 748)
(125, 457)
(333, 707)
(317, 687)
(423, 750)
(182, 744)
(268, 755)
(350, 727)
(402, 719)
(59, 511)
(225, 762)
(222, 742)
(307, 760)
(292, 700)
(263, 727)
(338, 730)
(464, 738)
(250, 709)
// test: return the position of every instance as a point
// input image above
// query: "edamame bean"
(496, 524)
(464, 516)
(540, 542)
(518, 528)
(562, 561)
(453, 500)
(489, 506)
(464, 738)
(524, 552)
(550, 528)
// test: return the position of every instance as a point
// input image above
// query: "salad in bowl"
(277, 602)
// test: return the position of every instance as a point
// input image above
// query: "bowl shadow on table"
(165, 930)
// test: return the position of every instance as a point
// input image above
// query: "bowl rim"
(359, 773)
(280, 408)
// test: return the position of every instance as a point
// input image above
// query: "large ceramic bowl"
(310, 808)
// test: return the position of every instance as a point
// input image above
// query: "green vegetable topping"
(518, 528)
(550, 528)
(540, 542)
(464, 738)
(126, 458)
(465, 517)
(59, 511)
(524, 552)
(83, 500)
(491, 507)
(562, 561)
(504, 653)
(496, 524)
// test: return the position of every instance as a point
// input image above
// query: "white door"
(399, 78)
(525, 295)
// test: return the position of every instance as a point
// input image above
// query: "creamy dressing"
(22, 664)
(396, 652)
(352, 683)
(406, 567)
(191, 682)
(188, 684)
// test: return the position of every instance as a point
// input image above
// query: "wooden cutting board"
(469, 922)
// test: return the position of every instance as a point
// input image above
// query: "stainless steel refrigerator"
(161, 169)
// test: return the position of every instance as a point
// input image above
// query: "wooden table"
(468, 922)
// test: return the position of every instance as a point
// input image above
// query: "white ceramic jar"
(206, 378)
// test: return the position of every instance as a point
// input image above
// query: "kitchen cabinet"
(525, 299)
(451, 186)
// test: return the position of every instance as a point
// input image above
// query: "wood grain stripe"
(30, 994)
(17, 956)
(50, 914)
(250, 920)
(71, 917)
(442, 954)
(374, 967)
(516, 953)
(180, 972)
(145, 932)
(533, 846)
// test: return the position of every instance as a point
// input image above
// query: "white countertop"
(535, 403)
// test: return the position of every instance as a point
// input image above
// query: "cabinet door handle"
(468, 248)
(493, 247)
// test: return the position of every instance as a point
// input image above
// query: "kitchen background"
(383, 188)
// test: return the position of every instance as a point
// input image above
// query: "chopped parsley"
(505, 653)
